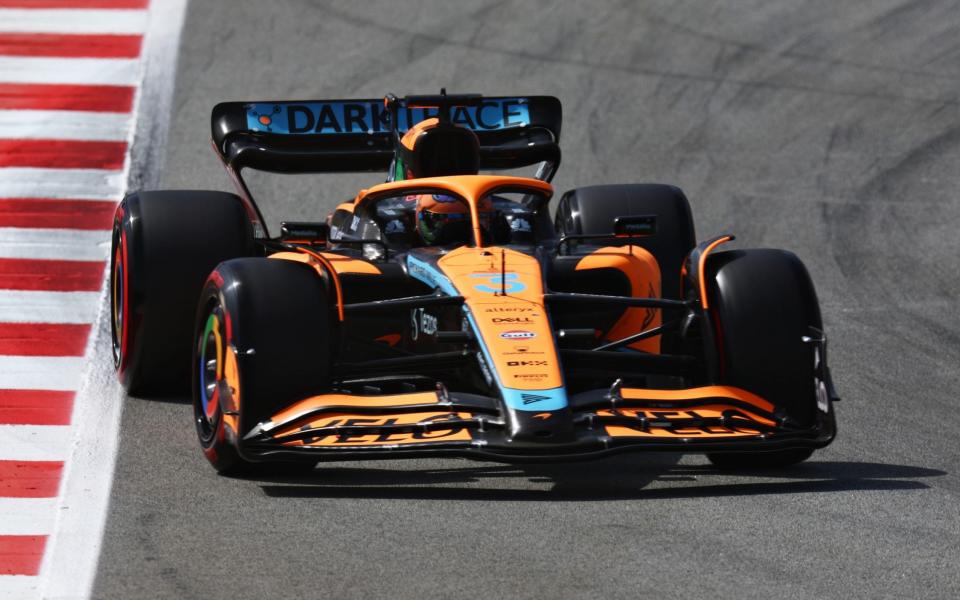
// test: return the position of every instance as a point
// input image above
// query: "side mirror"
(635, 225)
(305, 233)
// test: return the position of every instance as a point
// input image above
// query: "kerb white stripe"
(18, 306)
(40, 372)
(63, 125)
(30, 20)
(19, 587)
(34, 442)
(27, 516)
(80, 184)
(84, 71)
(54, 244)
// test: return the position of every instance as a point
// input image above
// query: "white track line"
(80, 184)
(63, 125)
(84, 71)
(27, 516)
(34, 442)
(40, 372)
(20, 587)
(32, 20)
(17, 306)
(54, 244)
(70, 561)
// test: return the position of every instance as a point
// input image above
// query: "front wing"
(706, 419)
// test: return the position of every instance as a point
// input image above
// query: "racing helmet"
(434, 149)
(445, 220)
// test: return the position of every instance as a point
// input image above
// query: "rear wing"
(341, 136)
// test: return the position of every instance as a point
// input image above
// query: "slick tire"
(763, 303)
(263, 340)
(165, 243)
(592, 210)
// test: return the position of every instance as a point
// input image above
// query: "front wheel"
(763, 309)
(264, 339)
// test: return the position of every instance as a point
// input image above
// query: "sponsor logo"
(359, 438)
(509, 309)
(517, 334)
(422, 322)
(373, 117)
(512, 320)
(526, 363)
(533, 398)
(530, 376)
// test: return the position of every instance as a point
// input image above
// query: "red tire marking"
(95, 98)
(43, 339)
(56, 214)
(35, 407)
(70, 45)
(74, 3)
(21, 554)
(30, 478)
(62, 154)
(50, 275)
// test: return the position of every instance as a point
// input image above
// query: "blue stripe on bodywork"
(527, 400)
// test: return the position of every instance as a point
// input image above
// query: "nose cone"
(546, 427)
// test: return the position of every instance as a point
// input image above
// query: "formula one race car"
(444, 313)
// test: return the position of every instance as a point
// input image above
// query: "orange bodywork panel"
(340, 416)
(454, 434)
(514, 326)
(705, 402)
(642, 271)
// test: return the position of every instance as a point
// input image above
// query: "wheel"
(165, 244)
(591, 210)
(264, 339)
(763, 304)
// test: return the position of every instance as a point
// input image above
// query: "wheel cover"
(210, 373)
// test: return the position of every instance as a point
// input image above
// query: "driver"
(434, 149)
(444, 220)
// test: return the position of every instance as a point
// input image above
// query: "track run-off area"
(829, 129)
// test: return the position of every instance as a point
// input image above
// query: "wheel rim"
(210, 357)
(117, 299)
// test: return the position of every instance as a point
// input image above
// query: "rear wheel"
(591, 210)
(264, 339)
(763, 304)
(165, 244)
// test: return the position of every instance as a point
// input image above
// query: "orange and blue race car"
(447, 312)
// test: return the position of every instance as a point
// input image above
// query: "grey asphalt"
(827, 128)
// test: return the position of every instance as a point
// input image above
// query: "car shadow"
(616, 478)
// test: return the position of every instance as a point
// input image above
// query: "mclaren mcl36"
(515, 332)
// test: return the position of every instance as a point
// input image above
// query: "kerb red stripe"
(74, 3)
(56, 214)
(40, 96)
(21, 554)
(35, 407)
(70, 45)
(50, 275)
(43, 339)
(30, 478)
(62, 154)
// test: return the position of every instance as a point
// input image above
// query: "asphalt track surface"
(830, 129)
